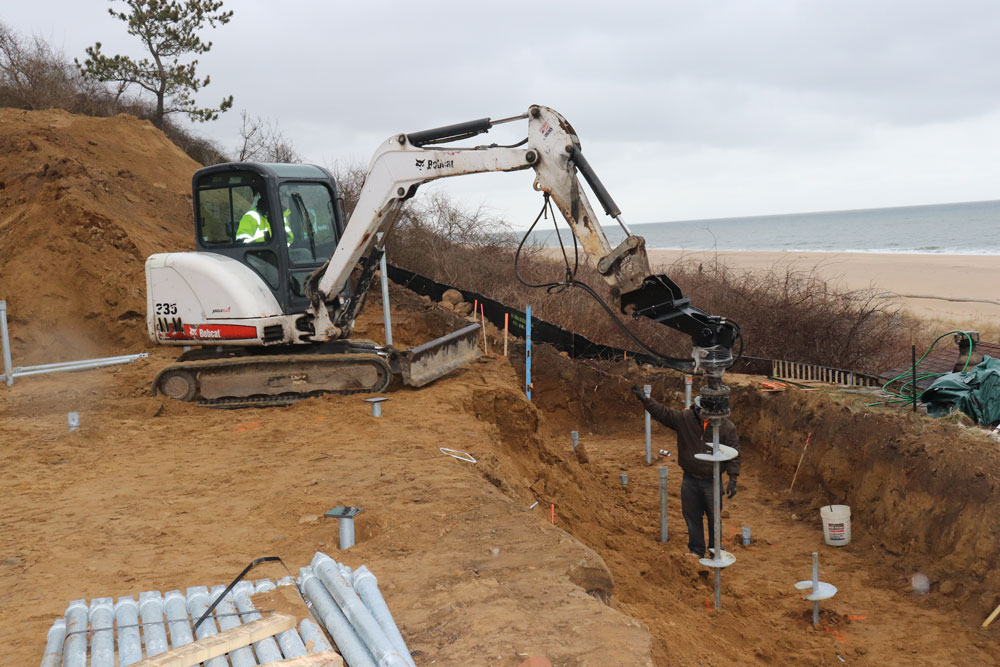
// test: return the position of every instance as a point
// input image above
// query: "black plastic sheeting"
(575, 345)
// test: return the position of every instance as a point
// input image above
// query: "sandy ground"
(942, 276)
(154, 495)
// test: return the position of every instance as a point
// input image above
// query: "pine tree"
(168, 30)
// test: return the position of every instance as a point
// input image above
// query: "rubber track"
(230, 403)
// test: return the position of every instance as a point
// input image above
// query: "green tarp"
(975, 392)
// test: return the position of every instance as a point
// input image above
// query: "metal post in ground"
(815, 587)
(820, 590)
(717, 511)
(527, 353)
(387, 319)
(664, 472)
(720, 557)
(647, 390)
(575, 435)
(345, 523)
(8, 366)
(913, 355)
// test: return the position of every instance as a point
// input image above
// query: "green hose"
(905, 393)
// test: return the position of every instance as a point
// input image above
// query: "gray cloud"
(687, 109)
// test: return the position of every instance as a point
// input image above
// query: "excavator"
(267, 318)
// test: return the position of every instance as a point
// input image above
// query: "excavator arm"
(552, 148)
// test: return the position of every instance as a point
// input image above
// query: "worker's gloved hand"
(731, 488)
(638, 391)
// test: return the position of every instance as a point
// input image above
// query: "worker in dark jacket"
(693, 433)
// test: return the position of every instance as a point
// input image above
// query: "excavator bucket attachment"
(425, 363)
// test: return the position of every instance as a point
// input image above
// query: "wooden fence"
(793, 370)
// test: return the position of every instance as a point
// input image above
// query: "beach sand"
(942, 276)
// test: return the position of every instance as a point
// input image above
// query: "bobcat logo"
(420, 164)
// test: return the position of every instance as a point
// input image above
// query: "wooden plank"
(324, 659)
(222, 642)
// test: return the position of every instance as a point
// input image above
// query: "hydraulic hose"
(905, 392)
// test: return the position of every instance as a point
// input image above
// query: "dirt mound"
(83, 202)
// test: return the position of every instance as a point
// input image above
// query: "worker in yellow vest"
(254, 226)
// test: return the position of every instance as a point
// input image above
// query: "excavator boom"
(301, 299)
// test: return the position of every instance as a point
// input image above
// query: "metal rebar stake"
(647, 390)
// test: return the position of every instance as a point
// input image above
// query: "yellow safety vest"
(254, 225)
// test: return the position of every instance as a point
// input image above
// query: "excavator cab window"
(309, 214)
(223, 200)
(308, 209)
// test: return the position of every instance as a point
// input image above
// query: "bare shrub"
(262, 141)
(800, 316)
(784, 314)
(33, 75)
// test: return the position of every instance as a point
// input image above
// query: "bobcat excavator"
(268, 316)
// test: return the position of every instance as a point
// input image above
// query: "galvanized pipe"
(575, 436)
(313, 635)
(175, 606)
(289, 641)
(102, 632)
(344, 635)
(8, 367)
(647, 390)
(129, 641)
(664, 472)
(815, 588)
(717, 509)
(197, 602)
(54, 644)
(85, 364)
(80, 362)
(386, 317)
(154, 632)
(345, 531)
(266, 649)
(356, 612)
(366, 584)
(75, 648)
(242, 656)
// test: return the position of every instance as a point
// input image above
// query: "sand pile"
(83, 202)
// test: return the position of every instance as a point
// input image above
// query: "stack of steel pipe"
(355, 614)
(89, 633)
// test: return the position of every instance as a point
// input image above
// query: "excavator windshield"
(309, 215)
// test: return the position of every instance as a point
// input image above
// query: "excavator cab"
(283, 221)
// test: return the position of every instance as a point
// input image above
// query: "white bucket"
(836, 524)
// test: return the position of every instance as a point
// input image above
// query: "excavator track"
(272, 380)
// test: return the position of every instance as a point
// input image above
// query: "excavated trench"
(920, 492)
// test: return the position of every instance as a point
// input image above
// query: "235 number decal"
(166, 309)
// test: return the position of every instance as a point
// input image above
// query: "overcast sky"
(686, 110)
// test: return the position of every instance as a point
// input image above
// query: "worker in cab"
(254, 226)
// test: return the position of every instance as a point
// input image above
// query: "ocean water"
(971, 228)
